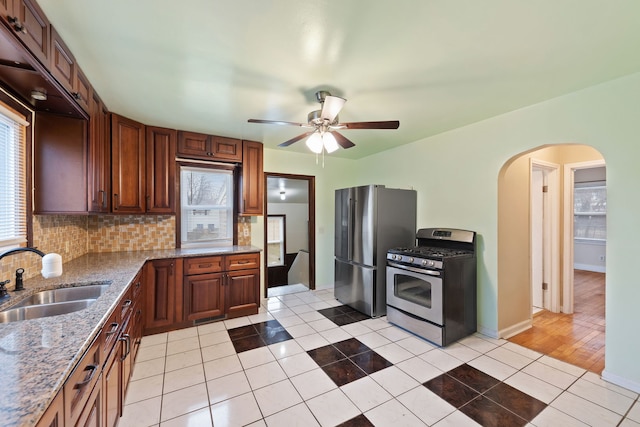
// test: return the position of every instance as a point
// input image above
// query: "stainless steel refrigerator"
(369, 220)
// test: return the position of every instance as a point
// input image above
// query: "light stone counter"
(36, 356)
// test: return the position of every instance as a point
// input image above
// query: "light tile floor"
(194, 377)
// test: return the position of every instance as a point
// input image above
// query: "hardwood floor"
(576, 338)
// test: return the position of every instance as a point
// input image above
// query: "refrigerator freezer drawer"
(355, 286)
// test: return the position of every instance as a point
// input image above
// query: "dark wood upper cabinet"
(60, 165)
(63, 65)
(127, 165)
(82, 90)
(161, 170)
(192, 145)
(252, 182)
(32, 27)
(99, 157)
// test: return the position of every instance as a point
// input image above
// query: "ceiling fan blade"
(392, 124)
(331, 107)
(342, 141)
(295, 139)
(277, 122)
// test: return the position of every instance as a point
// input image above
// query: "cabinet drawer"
(80, 383)
(110, 332)
(242, 261)
(200, 265)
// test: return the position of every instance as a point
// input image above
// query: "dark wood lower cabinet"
(204, 296)
(54, 416)
(163, 309)
(243, 292)
(111, 388)
(92, 416)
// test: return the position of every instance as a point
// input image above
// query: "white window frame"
(184, 207)
(13, 180)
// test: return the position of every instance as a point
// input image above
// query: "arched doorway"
(517, 260)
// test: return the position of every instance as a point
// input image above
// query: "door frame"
(311, 229)
(551, 248)
(567, 238)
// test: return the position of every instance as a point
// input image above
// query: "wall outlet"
(602, 257)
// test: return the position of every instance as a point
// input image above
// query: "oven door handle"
(414, 269)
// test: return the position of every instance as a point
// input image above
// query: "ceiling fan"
(325, 125)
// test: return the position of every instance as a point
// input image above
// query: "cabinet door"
(63, 64)
(203, 296)
(194, 145)
(112, 401)
(92, 415)
(160, 289)
(82, 89)
(7, 9)
(161, 170)
(60, 165)
(54, 415)
(252, 188)
(99, 155)
(243, 292)
(127, 165)
(33, 28)
(226, 149)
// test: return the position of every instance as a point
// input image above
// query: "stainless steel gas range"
(431, 288)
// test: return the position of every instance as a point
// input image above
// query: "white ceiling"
(209, 65)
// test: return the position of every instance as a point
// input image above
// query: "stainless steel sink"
(88, 292)
(43, 310)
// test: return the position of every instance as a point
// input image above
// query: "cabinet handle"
(127, 303)
(243, 262)
(17, 25)
(76, 96)
(210, 154)
(115, 202)
(81, 384)
(126, 339)
(204, 265)
(171, 269)
(114, 329)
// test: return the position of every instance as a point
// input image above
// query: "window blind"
(13, 192)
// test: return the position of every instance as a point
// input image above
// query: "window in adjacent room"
(590, 211)
(276, 243)
(206, 207)
(13, 191)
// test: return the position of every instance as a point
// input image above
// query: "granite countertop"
(37, 356)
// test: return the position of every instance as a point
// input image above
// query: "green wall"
(456, 175)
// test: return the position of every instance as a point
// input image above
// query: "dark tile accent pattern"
(348, 360)
(343, 315)
(258, 335)
(359, 421)
(485, 399)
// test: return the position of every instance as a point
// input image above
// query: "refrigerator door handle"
(350, 228)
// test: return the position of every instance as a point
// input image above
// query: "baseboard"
(516, 329)
(620, 381)
(589, 267)
(491, 333)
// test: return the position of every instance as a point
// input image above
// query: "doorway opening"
(571, 325)
(289, 233)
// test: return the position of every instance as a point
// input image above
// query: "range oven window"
(417, 291)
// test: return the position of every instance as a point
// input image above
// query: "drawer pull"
(243, 262)
(93, 369)
(114, 328)
(205, 265)
(126, 338)
(127, 303)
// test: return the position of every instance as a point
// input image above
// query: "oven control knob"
(411, 260)
(397, 257)
(428, 263)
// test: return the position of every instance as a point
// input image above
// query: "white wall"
(603, 116)
(296, 222)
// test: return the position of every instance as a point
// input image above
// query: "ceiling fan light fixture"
(329, 142)
(314, 142)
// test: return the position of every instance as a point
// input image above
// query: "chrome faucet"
(51, 267)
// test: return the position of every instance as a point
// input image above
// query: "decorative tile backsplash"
(63, 234)
(114, 233)
(72, 236)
